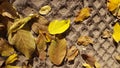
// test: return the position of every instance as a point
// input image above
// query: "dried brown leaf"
(5, 48)
(106, 34)
(89, 59)
(85, 40)
(6, 9)
(57, 51)
(41, 46)
(72, 52)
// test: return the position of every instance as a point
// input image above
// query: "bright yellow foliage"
(58, 26)
(113, 4)
(116, 33)
(86, 65)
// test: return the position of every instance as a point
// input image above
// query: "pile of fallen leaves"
(33, 36)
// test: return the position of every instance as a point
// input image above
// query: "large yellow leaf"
(57, 51)
(84, 13)
(24, 42)
(58, 26)
(116, 32)
(86, 65)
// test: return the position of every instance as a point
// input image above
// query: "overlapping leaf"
(57, 51)
(24, 42)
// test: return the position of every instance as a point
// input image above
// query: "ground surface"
(100, 20)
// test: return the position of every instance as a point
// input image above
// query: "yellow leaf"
(97, 65)
(45, 10)
(113, 4)
(10, 66)
(58, 26)
(84, 13)
(24, 42)
(116, 32)
(57, 51)
(11, 59)
(20, 23)
(114, 7)
(72, 53)
(87, 65)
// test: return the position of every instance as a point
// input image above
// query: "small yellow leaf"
(87, 65)
(45, 10)
(57, 51)
(10, 66)
(11, 59)
(97, 65)
(116, 32)
(84, 13)
(58, 26)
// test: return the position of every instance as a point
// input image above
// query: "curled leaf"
(116, 32)
(57, 51)
(85, 40)
(72, 53)
(24, 42)
(11, 59)
(45, 10)
(84, 13)
(58, 26)
(20, 23)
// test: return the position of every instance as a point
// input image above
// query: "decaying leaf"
(89, 59)
(41, 46)
(114, 7)
(45, 10)
(57, 51)
(5, 48)
(86, 65)
(11, 59)
(71, 53)
(58, 26)
(84, 40)
(116, 32)
(106, 34)
(10, 66)
(6, 9)
(84, 13)
(20, 23)
(2, 60)
(24, 42)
